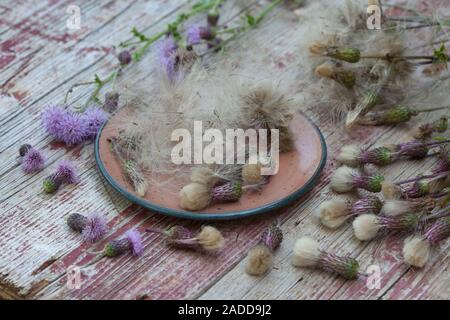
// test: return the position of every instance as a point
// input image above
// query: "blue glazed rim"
(215, 216)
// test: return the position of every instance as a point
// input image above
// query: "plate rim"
(197, 215)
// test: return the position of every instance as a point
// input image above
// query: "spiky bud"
(346, 267)
(417, 189)
(380, 156)
(272, 237)
(111, 101)
(347, 54)
(368, 204)
(24, 149)
(408, 221)
(230, 191)
(130, 243)
(213, 18)
(135, 175)
(438, 231)
(307, 253)
(425, 130)
(393, 116)
(412, 149)
(370, 183)
(124, 57)
(52, 183)
(92, 228)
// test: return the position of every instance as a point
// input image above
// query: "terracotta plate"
(297, 175)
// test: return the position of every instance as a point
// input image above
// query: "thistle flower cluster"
(65, 173)
(130, 243)
(346, 179)
(260, 257)
(32, 160)
(416, 249)
(334, 213)
(307, 253)
(70, 127)
(92, 228)
(224, 185)
(208, 239)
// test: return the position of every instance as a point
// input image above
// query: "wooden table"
(40, 58)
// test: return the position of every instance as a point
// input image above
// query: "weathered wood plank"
(38, 248)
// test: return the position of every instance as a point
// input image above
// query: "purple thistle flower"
(73, 129)
(135, 241)
(197, 33)
(94, 119)
(92, 228)
(131, 242)
(443, 163)
(413, 149)
(52, 120)
(347, 179)
(67, 172)
(33, 161)
(167, 49)
(347, 267)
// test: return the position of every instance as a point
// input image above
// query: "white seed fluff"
(416, 251)
(341, 181)
(349, 155)
(366, 227)
(333, 213)
(306, 252)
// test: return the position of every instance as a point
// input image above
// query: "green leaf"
(138, 35)
(250, 20)
(98, 80)
(440, 55)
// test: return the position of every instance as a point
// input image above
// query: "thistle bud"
(124, 57)
(345, 77)
(425, 130)
(32, 159)
(92, 228)
(438, 231)
(131, 243)
(307, 253)
(65, 174)
(368, 204)
(417, 190)
(111, 101)
(135, 175)
(392, 116)
(347, 54)
(24, 149)
(173, 234)
(213, 18)
(260, 257)
(230, 191)
(346, 179)
(209, 239)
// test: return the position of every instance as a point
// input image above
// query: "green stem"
(266, 11)
(432, 109)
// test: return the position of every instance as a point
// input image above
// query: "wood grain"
(40, 59)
